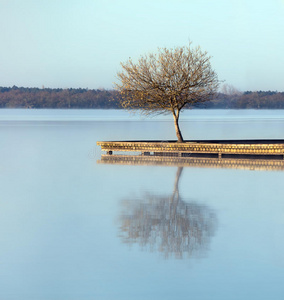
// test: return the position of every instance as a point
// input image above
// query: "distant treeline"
(249, 100)
(20, 97)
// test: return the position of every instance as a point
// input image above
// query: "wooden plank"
(240, 147)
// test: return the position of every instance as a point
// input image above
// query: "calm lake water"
(72, 228)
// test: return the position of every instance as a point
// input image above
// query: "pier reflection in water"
(200, 162)
(168, 224)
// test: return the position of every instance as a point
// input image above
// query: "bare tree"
(167, 81)
(229, 89)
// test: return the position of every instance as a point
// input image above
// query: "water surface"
(74, 229)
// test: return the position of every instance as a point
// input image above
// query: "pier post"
(146, 153)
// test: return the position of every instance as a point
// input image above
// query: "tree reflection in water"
(168, 224)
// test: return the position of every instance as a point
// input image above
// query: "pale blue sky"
(80, 43)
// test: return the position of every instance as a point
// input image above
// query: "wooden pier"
(267, 149)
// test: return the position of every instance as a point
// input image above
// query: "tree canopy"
(168, 81)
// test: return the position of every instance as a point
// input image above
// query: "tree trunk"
(178, 133)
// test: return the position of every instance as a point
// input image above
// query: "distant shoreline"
(46, 98)
(119, 108)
